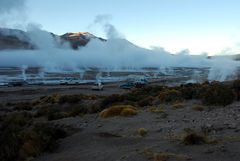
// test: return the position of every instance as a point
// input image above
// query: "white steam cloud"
(103, 20)
(12, 13)
(116, 53)
(7, 6)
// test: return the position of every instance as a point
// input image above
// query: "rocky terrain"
(156, 123)
(162, 139)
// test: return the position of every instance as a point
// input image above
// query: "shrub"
(164, 156)
(21, 139)
(42, 110)
(236, 88)
(161, 156)
(194, 139)
(134, 96)
(72, 99)
(48, 135)
(29, 148)
(94, 107)
(51, 112)
(217, 94)
(198, 108)
(41, 138)
(155, 90)
(58, 99)
(156, 110)
(139, 95)
(119, 110)
(108, 135)
(10, 142)
(169, 95)
(18, 119)
(51, 99)
(10, 135)
(77, 110)
(115, 98)
(23, 106)
(148, 91)
(56, 115)
(190, 91)
(146, 102)
(142, 132)
(9, 104)
(178, 106)
(128, 112)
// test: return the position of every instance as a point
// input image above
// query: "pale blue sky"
(200, 25)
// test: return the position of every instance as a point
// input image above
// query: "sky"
(211, 26)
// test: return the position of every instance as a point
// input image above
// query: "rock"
(222, 148)
(186, 120)
(237, 130)
(159, 130)
(232, 126)
(209, 151)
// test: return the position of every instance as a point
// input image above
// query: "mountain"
(16, 39)
(79, 39)
(234, 57)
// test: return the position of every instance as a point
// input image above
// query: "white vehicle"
(3, 84)
(70, 81)
(97, 86)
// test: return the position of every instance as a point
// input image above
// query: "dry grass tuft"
(119, 110)
(164, 156)
(161, 157)
(177, 106)
(156, 109)
(142, 132)
(61, 99)
(198, 108)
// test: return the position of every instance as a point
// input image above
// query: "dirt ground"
(27, 93)
(117, 139)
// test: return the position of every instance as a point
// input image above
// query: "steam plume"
(110, 30)
(7, 6)
(12, 13)
(114, 54)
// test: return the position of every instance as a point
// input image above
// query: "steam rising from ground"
(114, 54)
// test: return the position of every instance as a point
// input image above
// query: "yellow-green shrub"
(156, 110)
(119, 110)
